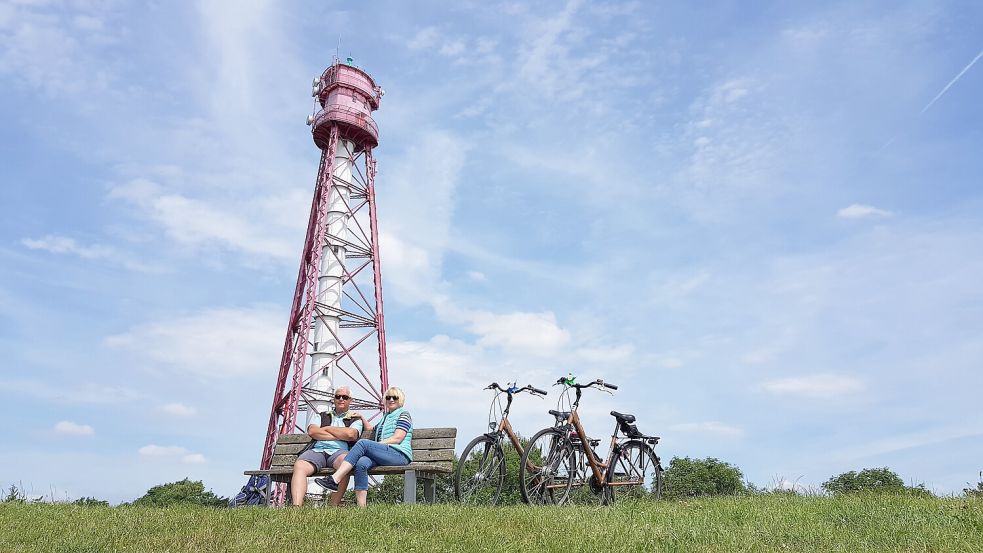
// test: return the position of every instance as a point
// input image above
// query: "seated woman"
(390, 446)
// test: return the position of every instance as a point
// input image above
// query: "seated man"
(338, 429)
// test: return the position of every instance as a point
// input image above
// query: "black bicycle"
(481, 470)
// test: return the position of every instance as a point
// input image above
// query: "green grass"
(757, 523)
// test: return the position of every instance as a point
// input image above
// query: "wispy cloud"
(172, 452)
(199, 223)
(69, 428)
(62, 244)
(860, 211)
(62, 392)
(909, 440)
(201, 343)
(952, 82)
(708, 427)
(816, 386)
(178, 409)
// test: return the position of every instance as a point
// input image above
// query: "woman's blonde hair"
(398, 392)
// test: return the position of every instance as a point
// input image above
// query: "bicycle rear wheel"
(480, 472)
(545, 468)
(635, 473)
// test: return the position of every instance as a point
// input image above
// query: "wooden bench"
(433, 453)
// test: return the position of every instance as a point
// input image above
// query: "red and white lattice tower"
(336, 314)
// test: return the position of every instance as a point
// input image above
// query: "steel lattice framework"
(338, 294)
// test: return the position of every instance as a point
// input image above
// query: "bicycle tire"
(544, 468)
(634, 462)
(480, 472)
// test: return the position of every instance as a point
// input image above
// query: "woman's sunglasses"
(342, 397)
(393, 398)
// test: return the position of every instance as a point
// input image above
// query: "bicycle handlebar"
(568, 381)
(528, 387)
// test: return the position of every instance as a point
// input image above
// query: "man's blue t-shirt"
(331, 446)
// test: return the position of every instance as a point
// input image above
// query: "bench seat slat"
(289, 449)
(433, 455)
(432, 443)
(293, 439)
(430, 433)
(423, 455)
(444, 467)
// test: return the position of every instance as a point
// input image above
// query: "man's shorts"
(321, 459)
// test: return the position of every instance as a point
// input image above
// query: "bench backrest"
(430, 445)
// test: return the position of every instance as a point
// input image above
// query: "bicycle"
(561, 466)
(481, 470)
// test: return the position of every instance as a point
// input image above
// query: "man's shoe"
(327, 482)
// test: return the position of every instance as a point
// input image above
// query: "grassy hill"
(755, 523)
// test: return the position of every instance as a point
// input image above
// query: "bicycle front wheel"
(545, 468)
(480, 472)
(635, 473)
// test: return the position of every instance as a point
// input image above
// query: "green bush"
(687, 477)
(15, 495)
(977, 491)
(182, 492)
(878, 480)
(90, 502)
(868, 480)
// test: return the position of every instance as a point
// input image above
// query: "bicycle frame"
(597, 467)
(504, 426)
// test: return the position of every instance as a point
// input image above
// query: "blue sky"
(762, 222)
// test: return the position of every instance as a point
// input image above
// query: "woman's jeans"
(367, 454)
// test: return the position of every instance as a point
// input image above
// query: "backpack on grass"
(253, 493)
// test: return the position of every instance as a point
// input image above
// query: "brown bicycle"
(560, 465)
(481, 469)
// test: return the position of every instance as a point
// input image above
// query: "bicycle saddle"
(627, 419)
(560, 414)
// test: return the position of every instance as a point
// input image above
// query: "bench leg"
(409, 486)
(267, 491)
(428, 490)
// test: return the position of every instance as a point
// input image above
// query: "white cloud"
(671, 363)
(732, 142)
(417, 225)
(154, 450)
(194, 459)
(69, 428)
(215, 343)
(817, 386)
(601, 354)
(882, 445)
(860, 211)
(477, 276)
(71, 392)
(42, 47)
(172, 452)
(708, 427)
(424, 39)
(63, 245)
(196, 222)
(522, 332)
(178, 409)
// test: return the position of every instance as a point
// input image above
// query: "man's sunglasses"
(394, 398)
(342, 397)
